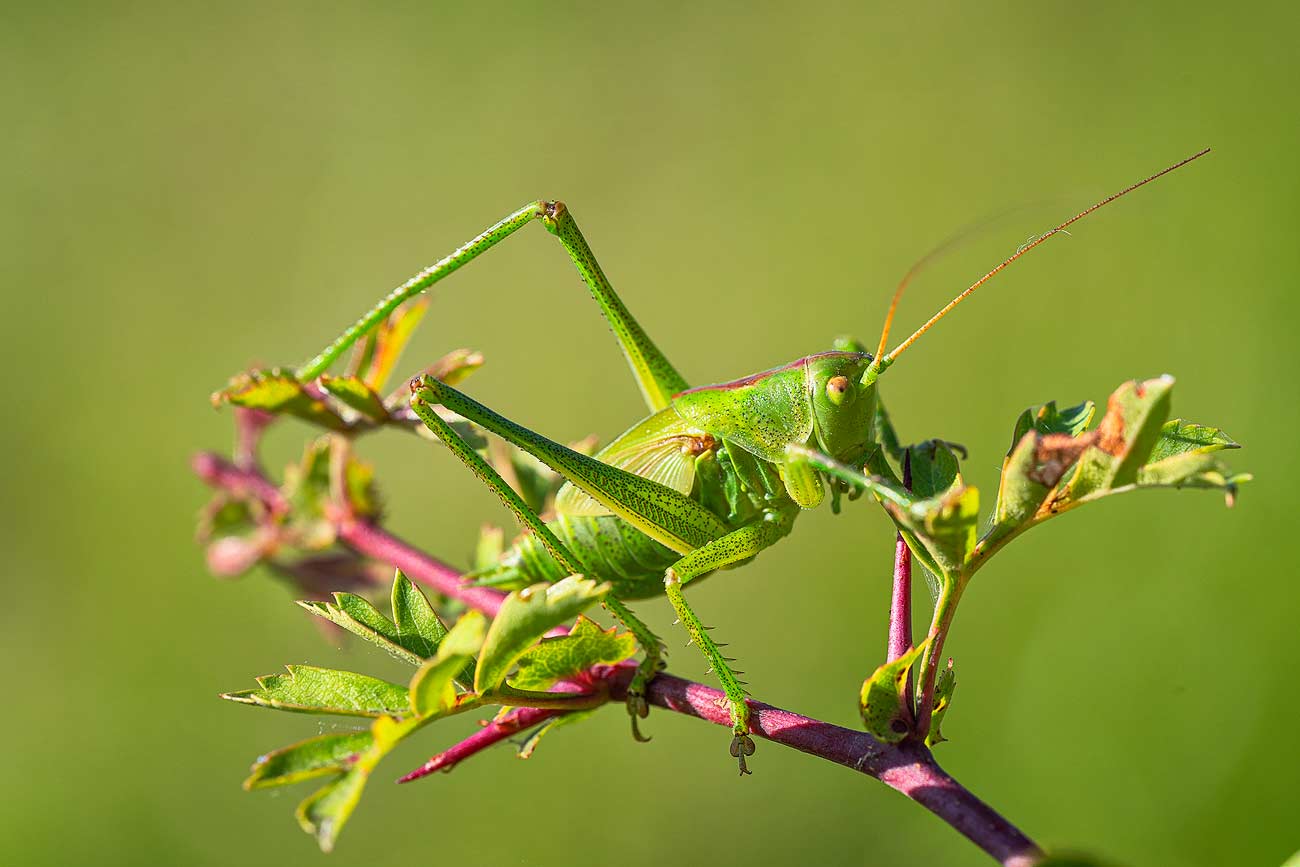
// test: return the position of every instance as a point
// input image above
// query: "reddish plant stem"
(367, 539)
(363, 537)
(907, 767)
(493, 733)
(240, 482)
(249, 425)
(900, 601)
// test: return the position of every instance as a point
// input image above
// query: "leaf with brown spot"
(1133, 447)
(1135, 414)
(1055, 454)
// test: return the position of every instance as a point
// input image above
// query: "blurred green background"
(191, 188)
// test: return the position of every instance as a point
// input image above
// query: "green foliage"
(556, 658)
(277, 391)
(415, 635)
(1179, 437)
(527, 615)
(944, 527)
(944, 686)
(884, 711)
(324, 813)
(1047, 419)
(307, 689)
(310, 489)
(1133, 447)
(432, 689)
(935, 469)
(412, 636)
(354, 393)
(313, 757)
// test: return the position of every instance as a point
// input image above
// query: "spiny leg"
(655, 376)
(728, 550)
(650, 644)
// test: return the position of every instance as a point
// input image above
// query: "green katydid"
(710, 478)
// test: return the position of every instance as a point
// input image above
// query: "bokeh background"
(191, 188)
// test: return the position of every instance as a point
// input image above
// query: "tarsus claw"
(638, 707)
(742, 746)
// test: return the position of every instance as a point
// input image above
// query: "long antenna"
(907, 278)
(893, 355)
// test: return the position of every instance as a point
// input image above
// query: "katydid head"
(844, 407)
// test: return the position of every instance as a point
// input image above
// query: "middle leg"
(733, 548)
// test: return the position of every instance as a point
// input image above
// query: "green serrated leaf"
(527, 615)
(944, 685)
(307, 689)
(935, 469)
(324, 813)
(882, 697)
(432, 690)
(412, 639)
(382, 637)
(278, 392)
(313, 757)
(556, 658)
(418, 626)
(1178, 437)
(355, 394)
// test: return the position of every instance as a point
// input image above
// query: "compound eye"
(836, 388)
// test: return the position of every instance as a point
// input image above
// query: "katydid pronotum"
(710, 478)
